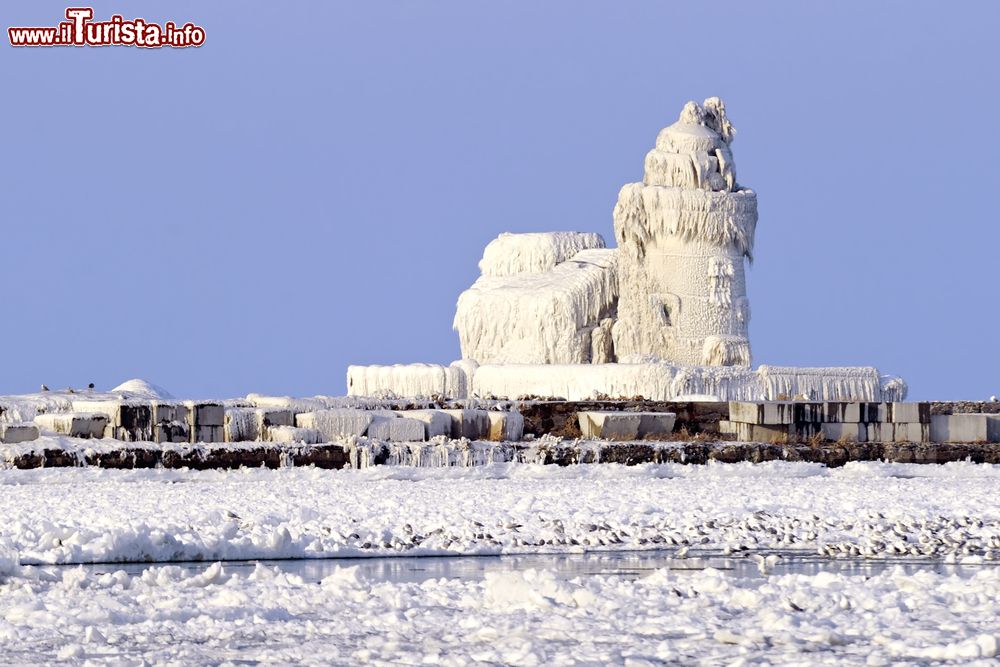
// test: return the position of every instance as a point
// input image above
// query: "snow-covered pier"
(138, 426)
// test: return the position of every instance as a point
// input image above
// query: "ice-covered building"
(541, 299)
(664, 315)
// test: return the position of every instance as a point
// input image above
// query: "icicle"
(242, 425)
(726, 351)
(718, 218)
(665, 382)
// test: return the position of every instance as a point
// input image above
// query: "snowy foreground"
(168, 613)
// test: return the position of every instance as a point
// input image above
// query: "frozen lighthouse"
(664, 315)
(683, 234)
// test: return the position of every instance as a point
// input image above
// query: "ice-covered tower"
(683, 234)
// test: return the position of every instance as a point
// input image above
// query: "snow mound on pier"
(142, 388)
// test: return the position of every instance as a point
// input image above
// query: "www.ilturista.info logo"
(80, 30)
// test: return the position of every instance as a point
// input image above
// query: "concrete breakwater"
(701, 418)
(434, 433)
(365, 453)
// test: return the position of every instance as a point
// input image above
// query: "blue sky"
(314, 186)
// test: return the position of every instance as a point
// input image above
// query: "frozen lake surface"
(87, 515)
(506, 564)
(626, 564)
(563, 610)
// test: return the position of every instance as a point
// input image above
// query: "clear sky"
(314, 186)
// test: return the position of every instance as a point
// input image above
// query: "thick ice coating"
(664, 315)
(552, 317)
(410, 380)
(667, 382)
(684, 233)
(536, 252)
